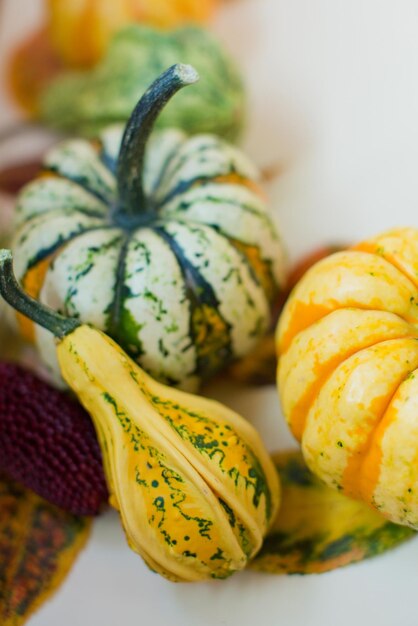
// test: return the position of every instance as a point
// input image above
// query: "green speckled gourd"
(165, 245)
(319, 529)
(86, 102)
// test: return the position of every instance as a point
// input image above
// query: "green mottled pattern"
(79, 270)
(76, 159)
(221, 445)
(154, 310)
(168, 501)
(44, 233)
(240, 299)
(236, 212)
(51, 194)
(86, 102)
(174, 290)
(282, 555)
(318, 529)
(202, 158)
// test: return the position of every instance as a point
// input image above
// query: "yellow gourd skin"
(348, 371)
(194, 486)
(95, 21)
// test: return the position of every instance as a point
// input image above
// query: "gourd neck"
(14, 295)
(130, 166)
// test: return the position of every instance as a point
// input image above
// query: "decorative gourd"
(317, 529)
(179, 264)
(6, 219)
(93, 22)
(194, 486)
(87, 102)
(348, 348)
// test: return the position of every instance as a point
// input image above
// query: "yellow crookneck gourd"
(195, 488)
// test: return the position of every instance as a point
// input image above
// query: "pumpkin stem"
(138, 129)
(34, 310)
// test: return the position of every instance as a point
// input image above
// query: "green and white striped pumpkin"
(164, 243)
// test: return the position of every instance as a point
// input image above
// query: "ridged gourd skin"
(48, 443)
(87, 102)
(184, 291)
(194, 485)
(348, 371)
(95, 22)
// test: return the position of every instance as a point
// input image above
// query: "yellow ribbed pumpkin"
(93, 22)
(348, 371)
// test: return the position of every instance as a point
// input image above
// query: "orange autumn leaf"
(38, 546)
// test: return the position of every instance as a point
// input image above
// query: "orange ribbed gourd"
(348, 371)
(93, 22)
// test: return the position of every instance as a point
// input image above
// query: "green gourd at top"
(85, 102)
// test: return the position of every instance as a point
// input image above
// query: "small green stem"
(138, 129)
(14, 295)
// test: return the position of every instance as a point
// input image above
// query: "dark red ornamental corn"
(48, 443)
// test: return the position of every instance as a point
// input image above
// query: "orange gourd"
(348, 371)
(93, 22)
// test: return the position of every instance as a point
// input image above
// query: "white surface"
(334, 97)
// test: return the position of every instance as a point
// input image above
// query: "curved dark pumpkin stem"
(14, 295)
(138, 129)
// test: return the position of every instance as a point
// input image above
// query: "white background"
(333, 90)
